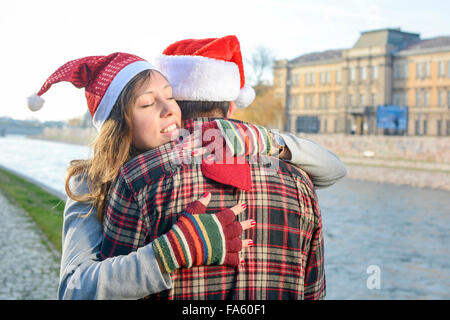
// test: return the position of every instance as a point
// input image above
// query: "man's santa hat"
(103, 78)
(206, 70)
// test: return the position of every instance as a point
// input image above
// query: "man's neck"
(211, 114)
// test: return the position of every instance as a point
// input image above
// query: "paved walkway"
(28, 269)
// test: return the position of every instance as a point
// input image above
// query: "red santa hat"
(103, 78)
(206, 70)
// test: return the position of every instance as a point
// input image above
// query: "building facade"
(338, 91)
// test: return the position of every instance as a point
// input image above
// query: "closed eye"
(147, 105)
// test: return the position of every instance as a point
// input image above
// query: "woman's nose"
(167, 110)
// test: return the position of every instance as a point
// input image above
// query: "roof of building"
(318, 56)
(432, 43)
(403, 41)
(384, 37)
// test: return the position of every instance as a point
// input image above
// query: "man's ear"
(231, 109)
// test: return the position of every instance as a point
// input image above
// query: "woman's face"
(156, 116)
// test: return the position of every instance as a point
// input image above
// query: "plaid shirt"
(287, 260)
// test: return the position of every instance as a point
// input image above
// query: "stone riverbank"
(29, 269)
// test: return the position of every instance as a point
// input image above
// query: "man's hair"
(196, 109)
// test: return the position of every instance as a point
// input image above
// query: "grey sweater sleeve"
(84, 276)
(322, 166)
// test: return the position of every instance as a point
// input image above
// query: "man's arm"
(84, 276)
(322, 166)
(315, 288)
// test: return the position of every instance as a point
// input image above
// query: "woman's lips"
(170, 128)
(171, 132)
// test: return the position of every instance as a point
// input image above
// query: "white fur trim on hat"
(197, 78)
(115, 89)
(35, 102)
(246, 97)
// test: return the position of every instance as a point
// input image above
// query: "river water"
(382, 241)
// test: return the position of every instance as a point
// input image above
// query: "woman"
(114, 86)
(83, 275)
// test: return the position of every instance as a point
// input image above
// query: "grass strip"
(44, 208)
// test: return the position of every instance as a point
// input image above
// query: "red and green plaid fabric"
(287, 260)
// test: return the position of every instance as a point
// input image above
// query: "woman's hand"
(223, 139)
(237, 209)
(198, 238)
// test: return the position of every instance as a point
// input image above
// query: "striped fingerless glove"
(198, 239)
(240, 139)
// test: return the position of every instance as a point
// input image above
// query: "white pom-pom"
(35, 102)
(246, 96)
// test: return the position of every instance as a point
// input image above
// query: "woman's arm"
(240, 138)
(322, 166)
(133, 276)
(84, 276)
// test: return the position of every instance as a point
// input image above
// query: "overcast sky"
(39, 36)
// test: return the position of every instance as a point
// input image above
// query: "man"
(287, 259)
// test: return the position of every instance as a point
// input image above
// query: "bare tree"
(260, 62)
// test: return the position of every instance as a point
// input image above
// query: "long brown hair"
(112, 148)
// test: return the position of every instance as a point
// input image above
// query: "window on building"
(295, 102)
(351, 99)
(337, 102)
(325, 126)
(374, 99)
(439, 125)
(310, 78)
(441, 68)
(322, 77)
(328, 77)
(309, 101)
(448, 127)
(297, 79)
(280, 81)
(405, 98)
(418, 102)
(375, 72)
(363, 73)
(448, 98)
(361, 100)
(417, 128)
(418, 70)
(327, 97)
(397, 72)
(427, 69)
(426, 98)
(338, 76)
(440, 98)
(425, 127)
(352, 74)
(397, 98)
(405, 70)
